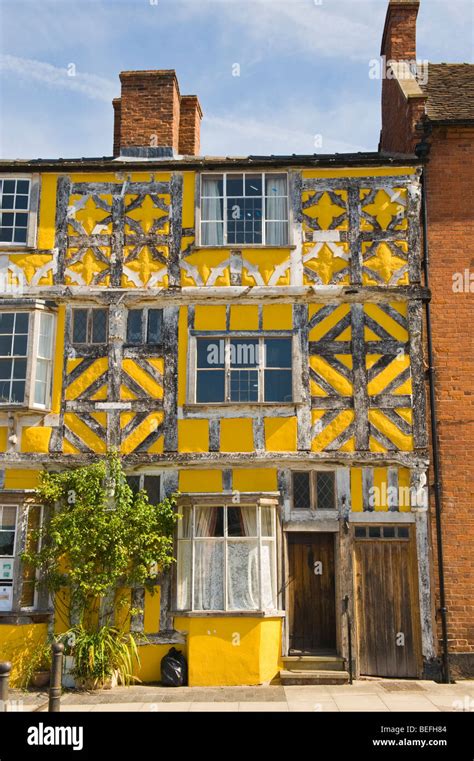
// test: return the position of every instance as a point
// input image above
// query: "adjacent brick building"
(437, 110)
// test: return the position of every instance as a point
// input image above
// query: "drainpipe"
(422, 150)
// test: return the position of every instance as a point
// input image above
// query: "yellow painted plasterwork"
(200, 481)
(193, 435)
(259, 479)
(280, 434)
(236, 435)
(278, 317)
(210, 317)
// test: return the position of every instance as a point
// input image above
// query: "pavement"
(385, 695)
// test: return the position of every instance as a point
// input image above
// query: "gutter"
(128, 164)
(423, 150)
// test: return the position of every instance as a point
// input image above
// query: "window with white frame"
(244, 208)
(44, 359)
(14, 210)
(89, 326)
(227, 558)
(26, 357)
(8, 515)
(243, 370)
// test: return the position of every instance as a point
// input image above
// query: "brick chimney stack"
(403, 102)
(399, 35)
(152, 119)
(190, 126)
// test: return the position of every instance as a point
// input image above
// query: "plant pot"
(68, 680)
(40, 679)
(93, 683)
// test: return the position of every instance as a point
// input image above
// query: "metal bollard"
(56, 678)
(5, 668)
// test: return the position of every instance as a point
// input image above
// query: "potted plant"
(39, 666)
(102, 658)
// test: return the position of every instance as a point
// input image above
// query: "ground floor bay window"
(227, 559)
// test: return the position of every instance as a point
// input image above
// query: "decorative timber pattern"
(361, 231)
(114, 394)
(362, 393)
(119, 234)
(215, 267)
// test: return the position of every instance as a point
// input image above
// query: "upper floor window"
(26, 357)
(314, 490)
(14, 208)
(254, 369)
(144, 326)
(89, 326)
(245, 208)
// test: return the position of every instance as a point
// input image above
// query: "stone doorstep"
(320, 676)
(314, 663)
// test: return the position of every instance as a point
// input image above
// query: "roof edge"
(197, 162)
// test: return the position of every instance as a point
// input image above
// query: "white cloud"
(97, 88)
(350, 126)
(342, 29)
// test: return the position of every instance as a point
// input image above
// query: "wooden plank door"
(311, 592)
(387, 608)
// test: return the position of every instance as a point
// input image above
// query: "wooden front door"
(387, 607)
(311, 593)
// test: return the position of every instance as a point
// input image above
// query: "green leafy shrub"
(100, 536)
(101, 654)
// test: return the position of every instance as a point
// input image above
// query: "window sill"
(239, 406)
(228, 614)
(241, 246)
(25, 617)
(17, 247)
(21, 407)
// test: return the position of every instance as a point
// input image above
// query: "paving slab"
(166, 707)
(261, 707)
(307, 693)
(216, 706)
(101, 707)
(409, 702)
(359, 703)
(315, 706)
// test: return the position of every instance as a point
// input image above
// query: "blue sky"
(304, 83)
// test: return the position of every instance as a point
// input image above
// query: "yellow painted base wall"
(150, 661)
(17, 644)
(231, 651)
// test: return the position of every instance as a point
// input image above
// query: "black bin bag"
(174, 669)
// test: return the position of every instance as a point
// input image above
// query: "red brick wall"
(400, 116)
(450, 176)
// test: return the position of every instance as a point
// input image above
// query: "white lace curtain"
(244, 580)
(276, 211)
(212, 214)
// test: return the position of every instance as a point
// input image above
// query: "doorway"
(311, 593)
(387, 603)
